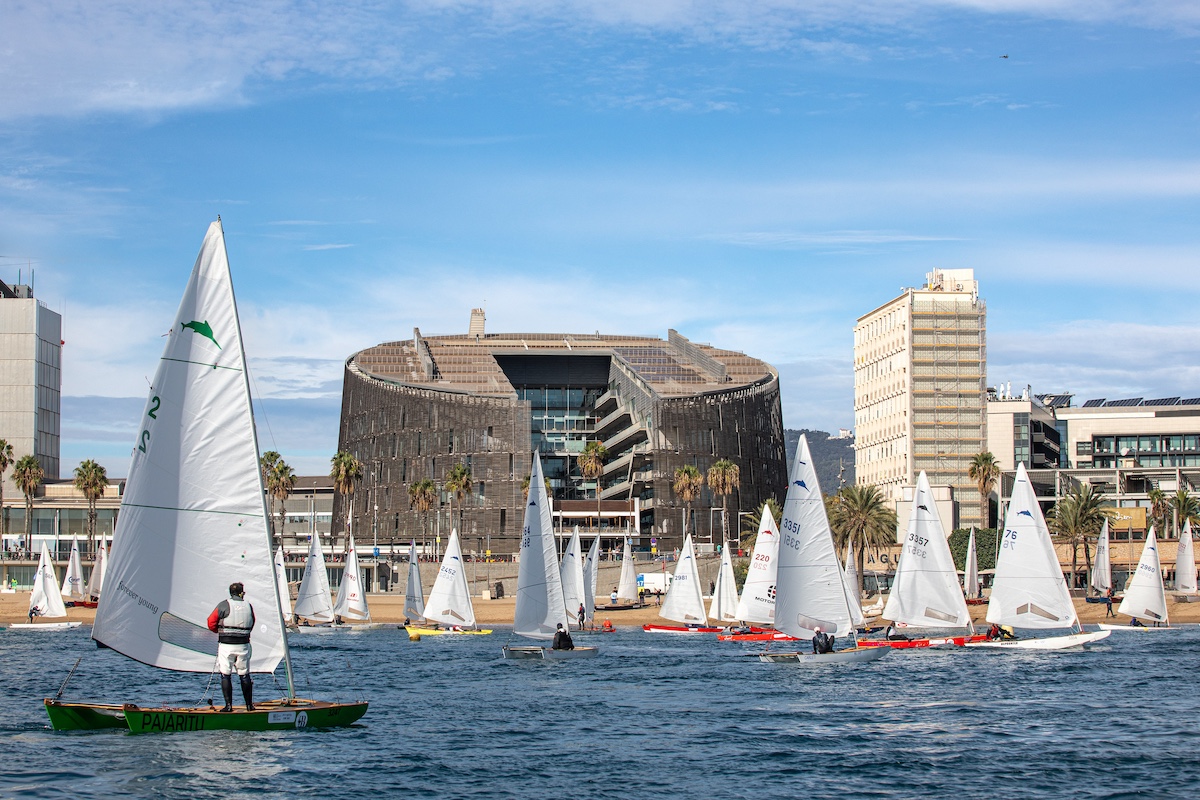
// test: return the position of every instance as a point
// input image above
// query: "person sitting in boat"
(1134, 622)
(562, 640)
(993, 633)
(1007, 633)
(893, 635)
(232, 620)
(822, 642)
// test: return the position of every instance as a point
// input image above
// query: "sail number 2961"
(155, 403)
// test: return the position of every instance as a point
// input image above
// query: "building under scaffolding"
(414, 409)
(920, 369)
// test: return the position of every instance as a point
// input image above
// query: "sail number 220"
(155, 403)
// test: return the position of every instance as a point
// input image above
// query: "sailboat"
(1144, 594)
(925, 592)
(972, 586)
(811, 588)
(312, 599)
(757, 603)
(591, 577)
(1029, 590)
(627, 588)
(194, 520)
(1185, 562)
(450, 598)
(351, 599)
(723, 605)
(1102, 568)
(540, 609)
(72, 585)
(850, 576)
(685, 599)
(571, 575)
(281, 583)
(414, 597)
(46, 598)
(96, 580)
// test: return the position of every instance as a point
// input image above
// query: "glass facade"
(1154, 450)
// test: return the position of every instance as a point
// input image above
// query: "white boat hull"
(44, 626)
(858, 655)
(1108, 627)
(1047, 643)
(548, 654)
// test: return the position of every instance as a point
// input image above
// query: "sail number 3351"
(155, 403)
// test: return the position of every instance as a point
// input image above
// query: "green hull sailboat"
(194, 520)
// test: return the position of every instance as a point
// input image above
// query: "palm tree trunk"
(1074, 562)
(28, 523)
(724, 519)
(860, 559)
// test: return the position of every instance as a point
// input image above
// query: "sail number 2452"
(155, 403)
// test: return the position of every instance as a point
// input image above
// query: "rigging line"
(262, 404)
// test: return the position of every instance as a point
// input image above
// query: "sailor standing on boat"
(232, 620)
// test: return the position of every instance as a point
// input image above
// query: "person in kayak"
(822, 642)
(562, 640)
(232, 620)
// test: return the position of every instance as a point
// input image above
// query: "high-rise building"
(30, 377)
(919, 390)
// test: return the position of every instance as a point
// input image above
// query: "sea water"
(652, 716)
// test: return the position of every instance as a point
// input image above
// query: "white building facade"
(30, 378)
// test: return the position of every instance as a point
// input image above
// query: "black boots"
(227, 691)
(247, 691)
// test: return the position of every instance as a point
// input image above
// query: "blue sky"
(755, 175)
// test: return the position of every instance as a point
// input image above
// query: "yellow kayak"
(446, 631)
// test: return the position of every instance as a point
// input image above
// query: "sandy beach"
(389, 607)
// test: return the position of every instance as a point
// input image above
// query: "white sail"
(850, 582)
(414, 597)
(96, 580)
(571, 577)
(1144, 596)
(925, 592)
(46, 597)
(351, 597)
(281, 583)
(540, 608)
(757, 603)
(193, 515)
(450, 598)
(312, 599)
(723, 606)
(810, 592)
(1102, 568)
(627, 588)
(1185, 561)
(685, 599)
(971, 585)
(591, 579)
(72, 585)
(1029, 589)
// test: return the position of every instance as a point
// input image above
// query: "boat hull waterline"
(44, 626)
(443, 632)
(682, 629)
(933, 641)
(1110, 627)
(269, 716)
(1046, 643)
(533, 653)
(858, 655)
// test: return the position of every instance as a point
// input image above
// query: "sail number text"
(155, 404)
(917, 545)
(1010, 539)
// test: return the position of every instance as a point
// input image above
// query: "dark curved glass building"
(413, 409)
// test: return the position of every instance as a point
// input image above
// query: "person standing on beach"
(1108, 612)
(613, 596)
(232, 620)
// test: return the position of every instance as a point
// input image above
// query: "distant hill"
(829, 457)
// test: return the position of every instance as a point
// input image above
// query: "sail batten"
(167, 563)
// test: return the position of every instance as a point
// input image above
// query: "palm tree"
(1185, 506)
(1076, 519)
(422, 495)
(266, 463)
(859, 515)
(6, 461)
(591, 467)
(91, 480)
(283, 480)
(725, 478)
(525, 487)
(753, 519)
(459, 484)
(1159, 508)
(686, 486)
(346, 470)
(985, 471)
(28, 475)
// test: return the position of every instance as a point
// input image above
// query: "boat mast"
(287, 655)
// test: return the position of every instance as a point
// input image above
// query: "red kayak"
(907, 644)
(681, 629)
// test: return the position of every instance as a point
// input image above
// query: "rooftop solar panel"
(1165, 401)
(1131, 401)
(1094, 403)
(1190, 401)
